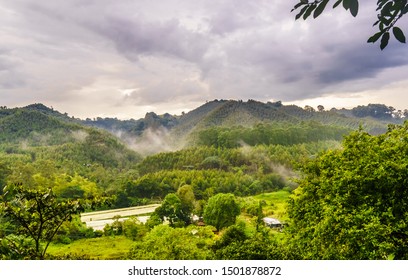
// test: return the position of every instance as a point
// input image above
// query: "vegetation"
(243, 161)
(351, 203)
(221, 210)
(37, 215)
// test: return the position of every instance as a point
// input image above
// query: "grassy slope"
(101, 248)
(275, 204)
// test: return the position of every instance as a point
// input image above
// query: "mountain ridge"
(216, 113)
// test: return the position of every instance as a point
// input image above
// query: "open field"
(275, 204)
(102, 248)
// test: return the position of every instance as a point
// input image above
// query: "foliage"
(187, 198)
(173, 211)
(205, 183)
(221, 210)
(38, 214)
(236, 244)
(72, 230)
(166, 243)
(379, 111)
(249, 159)
(100, 248)
(389, 12)
(269, 134)
(351, 203)
(16, 247)
(134, 229)
(275, 203)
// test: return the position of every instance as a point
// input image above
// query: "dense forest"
(336, 180)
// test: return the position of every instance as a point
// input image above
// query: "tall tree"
(221, 210)
(172, 209)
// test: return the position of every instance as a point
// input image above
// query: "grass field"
(275, 204)
(102, 248)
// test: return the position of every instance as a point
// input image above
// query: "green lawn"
(275, 204)
(102, 248)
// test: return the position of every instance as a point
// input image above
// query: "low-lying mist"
(152, 141)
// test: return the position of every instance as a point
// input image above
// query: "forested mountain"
(228, 123)
(38, 142)
(167, 132)
(217, 135)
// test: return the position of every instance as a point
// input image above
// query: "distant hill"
(232, 113)
(46, 133)
(166, 132)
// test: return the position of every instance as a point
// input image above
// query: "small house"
(272, 222)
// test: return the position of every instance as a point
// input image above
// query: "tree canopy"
(38, 215)
(388, 14)
(352, 203)
(221, 210)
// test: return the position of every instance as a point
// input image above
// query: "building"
(272, 222)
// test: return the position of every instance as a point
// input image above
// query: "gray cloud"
(125, 57)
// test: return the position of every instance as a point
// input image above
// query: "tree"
(221, 210)
(187, 198)
(309, 108)
(167, 243)
(38, 215)
(379, 111)
(238, 242)
(352, 203)
(172, 209)
(388, 14)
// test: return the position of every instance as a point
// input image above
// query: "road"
(98, 219)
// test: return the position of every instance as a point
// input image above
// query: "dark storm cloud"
(350, 64)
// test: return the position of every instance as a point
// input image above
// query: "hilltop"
(155, 133)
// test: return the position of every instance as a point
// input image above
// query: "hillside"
(227, 115)
(155, 133)
(36, 141)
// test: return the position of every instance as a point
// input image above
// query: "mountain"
(39, 124)
(232, 113)
(43, 132)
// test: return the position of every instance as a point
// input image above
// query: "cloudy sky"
(125, 58)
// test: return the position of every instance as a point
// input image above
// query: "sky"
(110, 58)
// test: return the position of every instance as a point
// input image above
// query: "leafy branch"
(388, 14)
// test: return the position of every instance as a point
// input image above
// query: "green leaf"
(309, 11)
(301, 12)
(337, 3)
(386, 10)
(353, 5)
(384, 40)
(297, 6)
(320, 8)
(375, 37)
(399, 35)
(346, 4)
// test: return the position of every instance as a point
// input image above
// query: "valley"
(229, 163)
